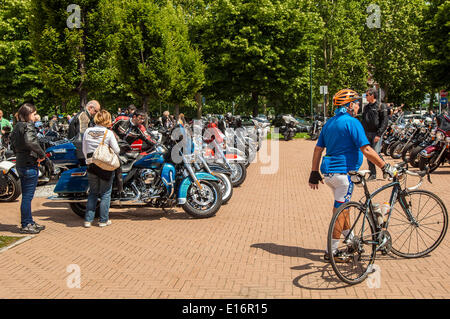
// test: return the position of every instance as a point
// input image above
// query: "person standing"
(100, 181)
(82, 120)
(374, 121)
(4, 123)
(29, 154)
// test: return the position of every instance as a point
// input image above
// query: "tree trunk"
(177, 110)
(83, 98)
(64, 106)
(145, 109)
(198, 99)
(254, 103)
(430, 107)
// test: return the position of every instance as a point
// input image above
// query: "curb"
(20, 241)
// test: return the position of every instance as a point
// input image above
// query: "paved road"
(266, 243)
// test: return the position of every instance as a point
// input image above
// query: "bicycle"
(365, 235)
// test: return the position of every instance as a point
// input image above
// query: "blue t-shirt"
(342, 136)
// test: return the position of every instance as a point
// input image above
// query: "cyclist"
(345, 140)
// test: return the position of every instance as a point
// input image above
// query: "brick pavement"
(267, 242)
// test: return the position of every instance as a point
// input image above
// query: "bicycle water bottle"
(378, 214)
(385, 208)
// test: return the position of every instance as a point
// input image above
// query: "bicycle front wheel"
(352, 239)
(420, 232)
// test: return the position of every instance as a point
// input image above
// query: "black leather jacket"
(25, 144)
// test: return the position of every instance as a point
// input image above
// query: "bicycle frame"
(397, 192)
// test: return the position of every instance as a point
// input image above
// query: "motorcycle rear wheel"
(80, 209)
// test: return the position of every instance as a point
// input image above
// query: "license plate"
(61, 150)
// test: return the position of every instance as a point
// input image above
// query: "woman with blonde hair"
(100, 181)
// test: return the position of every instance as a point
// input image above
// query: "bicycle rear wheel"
(356, 252)
(418, 237)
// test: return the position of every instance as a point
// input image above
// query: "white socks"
(335, 242)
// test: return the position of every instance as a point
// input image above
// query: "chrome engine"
(148, 184)
(148, 176)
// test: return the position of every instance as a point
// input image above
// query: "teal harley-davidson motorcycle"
(149, 179)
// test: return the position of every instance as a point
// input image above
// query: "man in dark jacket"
(375, 121)
(84, 119)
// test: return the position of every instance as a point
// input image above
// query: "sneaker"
(39, 227)
(339, 257)
(29, 229)
(105, 224)
(87, 224)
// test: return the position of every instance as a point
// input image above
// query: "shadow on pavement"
(290, 251)
(10, 228)
(61, 213)
(323, 278)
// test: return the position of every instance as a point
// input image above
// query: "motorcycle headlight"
(440, 136)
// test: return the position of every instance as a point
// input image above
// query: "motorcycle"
(288, 129)
(10, 187)
(316, 128)
(150, 179)
(409, 155)
(436, 154)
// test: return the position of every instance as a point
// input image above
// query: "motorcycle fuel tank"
(153, 160)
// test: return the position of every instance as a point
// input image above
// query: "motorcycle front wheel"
(225, 186)
(414, 156)
(238, 173)
(205, 202)
(425, 162)
(11, 190)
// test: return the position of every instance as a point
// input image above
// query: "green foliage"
(152, 53)
(394, 51)
(436, 40)
(256, 47)
(19, 79)
(72, 62)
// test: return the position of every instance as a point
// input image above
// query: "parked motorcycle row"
(424, 145)
(199, 177)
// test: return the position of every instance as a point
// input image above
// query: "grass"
(280, 137)
(7, 240)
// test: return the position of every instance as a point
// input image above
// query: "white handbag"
(104, 157)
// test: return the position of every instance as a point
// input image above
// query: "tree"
(19, 76)
(72, 61)
(151, 50)
(394, 50)
(341, 61)
(257, 48)
(436, 44)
